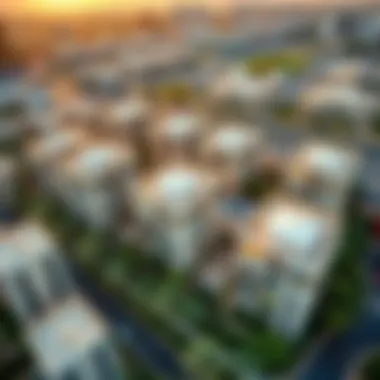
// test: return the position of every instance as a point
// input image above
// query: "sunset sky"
(20, 7)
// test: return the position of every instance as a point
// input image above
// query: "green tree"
(273, 353)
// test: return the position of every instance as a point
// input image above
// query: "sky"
(20, 7)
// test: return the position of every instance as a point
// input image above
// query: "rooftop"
(181, 124)
(96, 159)
(56, 144)
(332, 163)
(347, 97)
(235, 139)
(22, 244)
(179, 187)
(64, 335)
(286, 231)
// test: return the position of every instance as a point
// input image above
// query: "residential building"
(285, 251)
(43, 152)
(348, 110)
(178, 133)
(175, 206)
(33, 275)
(91, 180)
(104, 80)
(323, 174)
(234, 149)
(239, 93)
(72, 341)
(162, 64)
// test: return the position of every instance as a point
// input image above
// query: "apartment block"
(323, 174)
(72, 341)
(32, 273)
(176, 206)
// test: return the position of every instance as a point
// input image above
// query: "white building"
(234, 149)
(323, 174)
(45, 151)
(33, 275)
(286, 251)
(178, 133)
(161, 64)
(73, 342)
(91, 180)
(105, 79)
(341, 101)
(242, 94)
(176, 207)
(346, 71)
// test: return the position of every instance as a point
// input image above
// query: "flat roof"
(60, 338)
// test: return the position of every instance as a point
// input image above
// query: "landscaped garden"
(290, 62)
(211, 341)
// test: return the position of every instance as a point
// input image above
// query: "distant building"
(190, 20)
(239, 93)
(323, 174)
(179, 133)
(350, 106)
(234, 149)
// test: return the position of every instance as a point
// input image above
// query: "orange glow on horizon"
(66, 6)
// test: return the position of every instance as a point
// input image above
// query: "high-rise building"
(33, 274)
(71, 341)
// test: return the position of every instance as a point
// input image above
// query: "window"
(27, 292)
(71, 374)
(104, 363)
(57, 277)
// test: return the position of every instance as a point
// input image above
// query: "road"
(129, 331)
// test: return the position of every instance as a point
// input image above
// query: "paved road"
(131, 333)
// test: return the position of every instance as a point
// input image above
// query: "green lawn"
(292, 62)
